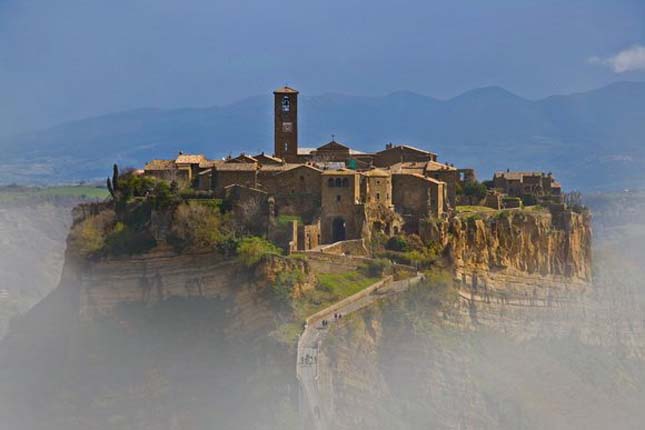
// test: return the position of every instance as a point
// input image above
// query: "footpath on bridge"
(315, 332)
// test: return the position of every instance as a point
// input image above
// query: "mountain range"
(593, 140)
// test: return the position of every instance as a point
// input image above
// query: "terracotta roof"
(409, 166)
(419, 176)
(433, 166)
(285, 90)
(242, 158)
(340, 172)
(376, 172)
(160, 165)
(230, 167)
(207, 164)
(268, 158)
(333, 146)
(300, 166)
(190, 159)
(277, 167)
(406, 147)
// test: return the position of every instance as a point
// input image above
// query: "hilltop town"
(335, 193)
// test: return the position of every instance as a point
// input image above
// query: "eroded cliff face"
(415, 364)
(157, 341)
(162, 274)
(521, 252)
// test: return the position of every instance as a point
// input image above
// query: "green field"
(81, 192)
(331, 288)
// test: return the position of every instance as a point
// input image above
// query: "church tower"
(286, 124)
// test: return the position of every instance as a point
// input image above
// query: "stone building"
(417, 197)
(342, 213)
(335, 191)
(393, 154)
(520, 184)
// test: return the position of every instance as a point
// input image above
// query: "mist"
(421, 359)
(112, 316)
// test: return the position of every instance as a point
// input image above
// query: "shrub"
(475, 189)
(126, 240)
(282, 288)
(376, 268)
(252, 250)
(197, 226)
(397, 243)
(529, 200)
(88, 237)
(285, 220)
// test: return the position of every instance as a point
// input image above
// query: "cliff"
(433, 358)
(159, 340)
(156, 276)
(518, 251)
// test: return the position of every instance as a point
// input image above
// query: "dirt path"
(314, 334)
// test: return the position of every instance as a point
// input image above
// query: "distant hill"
(591, 141)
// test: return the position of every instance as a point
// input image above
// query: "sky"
(69, 59)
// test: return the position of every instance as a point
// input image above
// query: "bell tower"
(286, 124)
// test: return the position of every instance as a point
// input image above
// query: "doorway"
(339, 230)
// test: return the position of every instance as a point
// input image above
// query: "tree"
(475, 189)
(115, 177)
(196, 226)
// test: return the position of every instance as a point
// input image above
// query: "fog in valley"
(200, 287)
(424, 359)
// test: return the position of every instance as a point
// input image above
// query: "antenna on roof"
(333, 138)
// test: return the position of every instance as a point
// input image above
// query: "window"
(330, 183)
(286, 146)
(286, 104)
(338, 182)
(378, 196)
(338, 198)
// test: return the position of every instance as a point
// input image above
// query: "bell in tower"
(286, 124)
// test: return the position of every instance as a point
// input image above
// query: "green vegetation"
(476, 190)
(282, 288)
(469, 209)
(198, 226)
(81, 192)
(378, 267)
(288, 333)
(285, 220)
(88, 238)
(331, 288)
(251, 250)
(410, 250)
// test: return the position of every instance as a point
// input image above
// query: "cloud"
(627, 60)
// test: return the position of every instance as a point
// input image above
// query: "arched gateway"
(338, 230)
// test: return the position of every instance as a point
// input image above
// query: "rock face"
(162, 274)
(413, 364)
(517, 250)
(159, 341)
